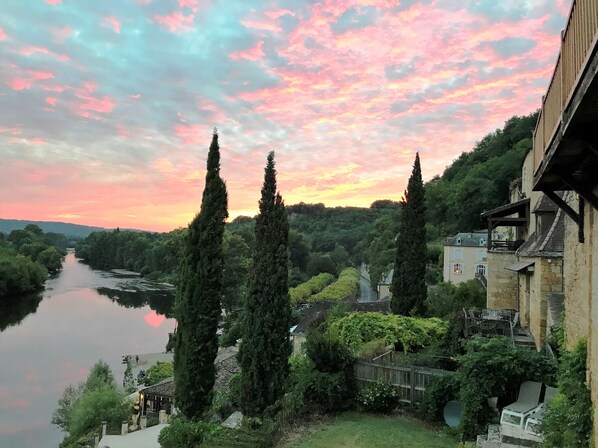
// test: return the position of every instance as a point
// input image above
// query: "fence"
(409, 381)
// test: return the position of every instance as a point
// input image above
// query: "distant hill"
(68, 229)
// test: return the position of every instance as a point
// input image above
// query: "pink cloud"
(253, 54)
(112, 22)
(192, 134)
(53, 2)
(31, 50)
(2, 34)
(191, 4)
(176, 22)
(60, 34)
(26, 82)
(51, 100)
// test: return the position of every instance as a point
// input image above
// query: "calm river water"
(51, 340)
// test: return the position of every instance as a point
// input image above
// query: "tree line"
(27, 256)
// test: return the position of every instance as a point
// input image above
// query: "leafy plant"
(182, 432)
(568, 418)
(439, 392)
(301, 293)
(372, 349)
(344, 288)
(379, 396)
(158, 372)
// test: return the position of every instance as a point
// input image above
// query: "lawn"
(354, 430)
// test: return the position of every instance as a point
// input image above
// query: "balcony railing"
(577, 44)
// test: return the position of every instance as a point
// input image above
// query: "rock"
(234, 421)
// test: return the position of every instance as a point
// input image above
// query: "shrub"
(379, 396)
(182, 432)
(372, 349)
(234, 389)
(568, 419)
(302, 292)
(438, 393)
(356, 329)
(330, 392)
(327, 352)
(158, 372)
(345, 288)
(241, 438)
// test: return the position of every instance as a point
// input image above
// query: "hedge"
(345, 288)
(301, 293)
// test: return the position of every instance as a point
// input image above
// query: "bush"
(568, 419)
(234, 389)
(379, 396)
(372, 349)
(182, 432)
(302, 292)
(241, 438)
(330, 392)
(345, 288)
(438, 393)
(327, 352)
(408, 333)
(158, 372)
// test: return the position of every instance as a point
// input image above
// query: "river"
(52, 339)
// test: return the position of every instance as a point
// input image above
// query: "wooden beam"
(582, 190)
(580, 235)
(562, 205)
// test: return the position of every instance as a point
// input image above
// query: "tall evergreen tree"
(265, 346)
(198, 297)
(408, 286)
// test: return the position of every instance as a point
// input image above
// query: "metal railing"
(577, 44)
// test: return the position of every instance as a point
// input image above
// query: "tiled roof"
(471, 239)
(550, 244)
(164, 388)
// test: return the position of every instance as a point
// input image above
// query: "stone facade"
(581, 297)
(465, 254)
(502, 283)
(544, 278)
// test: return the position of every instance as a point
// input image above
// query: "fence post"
(412, 397)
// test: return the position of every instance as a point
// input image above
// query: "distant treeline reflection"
(161, 301)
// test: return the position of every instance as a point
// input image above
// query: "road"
(365, 288)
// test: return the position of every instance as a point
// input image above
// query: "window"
(457, 268)
(458, 254)
(458, 241)
(480, 269)
(481, 255)
(482, 242)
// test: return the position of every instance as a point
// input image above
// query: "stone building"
(465, 257)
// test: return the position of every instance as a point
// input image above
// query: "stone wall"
(502, 283)
(546, 278)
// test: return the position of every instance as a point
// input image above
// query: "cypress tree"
(265, 345)
(408, 286)
(198, 296)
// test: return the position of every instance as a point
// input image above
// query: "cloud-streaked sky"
(107, 107)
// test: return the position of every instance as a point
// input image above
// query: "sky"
(107, 108)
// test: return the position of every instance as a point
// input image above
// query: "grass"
(354, 430)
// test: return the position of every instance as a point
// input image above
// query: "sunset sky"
(107, 107)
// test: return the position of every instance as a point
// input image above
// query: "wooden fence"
(409, 381)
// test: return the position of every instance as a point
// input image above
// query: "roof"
(471, 239)
(164, 388)
(387, 278)
(519, 266)
(550, 243)
(545, 204)
(519, 207)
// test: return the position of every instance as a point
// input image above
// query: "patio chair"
(535, 418)
(515, 413)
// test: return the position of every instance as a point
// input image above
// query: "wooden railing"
(577, 45)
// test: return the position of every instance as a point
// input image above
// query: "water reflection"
(52, 339)
(15, 309)
(160, 301)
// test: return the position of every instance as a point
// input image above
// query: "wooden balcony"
(565, 141)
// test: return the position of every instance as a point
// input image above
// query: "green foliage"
(327, 352)
(51, 259)
(494, 367)
(234, 389)
(408, 288)
(19, 274)
(185, 433)
(198, 305)
(158, 372)
(439, 392)
(479, 178)
(262, 437)
(265, 346)
(81, 409)
(379, 396)
(568, 418)
(319, 263)
(372, 349)
(355, 329)
(446, 298)
(381, 250)
(128, 380)
(301, 293)
(344, 288)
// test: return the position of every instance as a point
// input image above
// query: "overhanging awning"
(519, 266)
